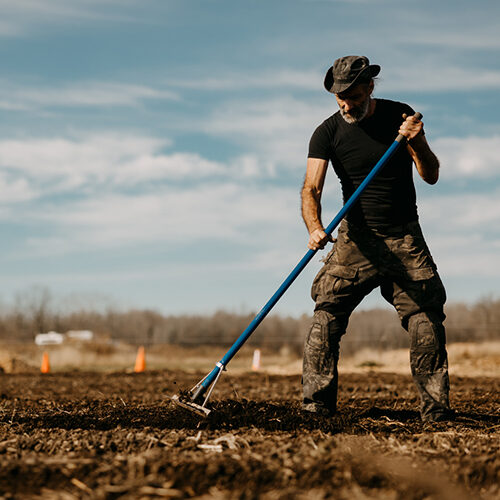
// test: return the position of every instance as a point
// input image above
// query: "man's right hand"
(318, 239)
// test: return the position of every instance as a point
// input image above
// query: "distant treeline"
(375, 328)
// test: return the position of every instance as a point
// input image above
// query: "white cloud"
(283, 78)
(458, 25)
(123, 189)
(462, 231)
(111, 159)
(225, 212)
(8, 29)
(474, 157)
(434, 76)
(277, 129)
(24, 16)
(485, 37)
(80, 94)
(463, 213)
(15, 190)
(465, 254)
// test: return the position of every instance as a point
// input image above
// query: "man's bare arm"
(311, 202)
(425, 160)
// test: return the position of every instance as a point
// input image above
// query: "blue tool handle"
(303, 262)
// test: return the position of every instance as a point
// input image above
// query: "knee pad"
(426, 332)
(335, 325)
(321, 349)
(326, 330)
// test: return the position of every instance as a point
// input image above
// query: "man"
(379, 243)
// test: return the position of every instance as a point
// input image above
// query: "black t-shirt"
(354, 149)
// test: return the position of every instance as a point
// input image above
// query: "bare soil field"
(70, 435)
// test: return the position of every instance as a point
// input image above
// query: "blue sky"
(152, 151)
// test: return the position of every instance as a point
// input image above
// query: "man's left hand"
(411, 127)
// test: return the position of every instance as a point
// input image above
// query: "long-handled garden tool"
(196, 399)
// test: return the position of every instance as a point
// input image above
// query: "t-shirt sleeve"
(405, 108)
(319, 145)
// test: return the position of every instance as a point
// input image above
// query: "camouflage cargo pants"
(401, 265)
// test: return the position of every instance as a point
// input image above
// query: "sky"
(152, 151)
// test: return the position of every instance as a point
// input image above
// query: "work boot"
(318, 409)
(439, 416)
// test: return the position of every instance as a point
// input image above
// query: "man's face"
(354, 103)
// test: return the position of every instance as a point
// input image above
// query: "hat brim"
(337, 87)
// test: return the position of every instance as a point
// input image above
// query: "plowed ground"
(90, 435)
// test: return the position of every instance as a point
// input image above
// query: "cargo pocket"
(339, 279)
(316, 286)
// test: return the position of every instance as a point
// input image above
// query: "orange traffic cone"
(45, 368)
(140, 360)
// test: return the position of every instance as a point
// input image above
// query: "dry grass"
(471, 359)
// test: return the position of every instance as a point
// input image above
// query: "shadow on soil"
(231, 414)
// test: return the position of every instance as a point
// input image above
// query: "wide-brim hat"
(347, 71)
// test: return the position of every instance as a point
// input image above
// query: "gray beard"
(358, 114)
